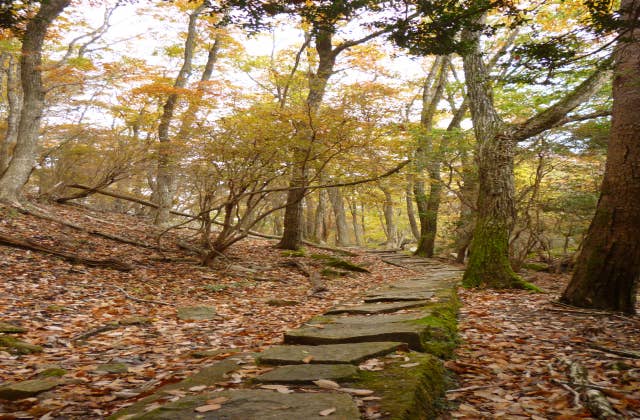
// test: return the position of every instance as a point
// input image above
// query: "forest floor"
(90, 321)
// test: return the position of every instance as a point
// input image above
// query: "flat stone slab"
(112, 368)
(254, 404)
(304, 374)
(196, 313)
(397, 296)
(329, 354)
(380, 319)
(26, 389)
(376, 308)
(411, 334)
(427, 285)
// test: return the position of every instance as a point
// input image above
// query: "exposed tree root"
(594, 399)
(69, 256)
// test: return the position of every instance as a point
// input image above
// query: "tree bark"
(165, 173)
(411, 214)
(389, 219)
(489, 263)
(26, 149)
(608, 268)
(342, 229)
(428, 205)
(14, 102)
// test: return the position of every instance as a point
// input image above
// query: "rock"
(135, 320)
(306, 374)
(113, 368)
(397, 296)
(52, 372)
(282, 302)
(196, 313)
(376, 308)
(14, 346)
(411, 334)
(379, 319)
(241, 269)
(252, 404)
(328, 354)
(209, 375)
(203, 354)
(26, 389)
(11, 329)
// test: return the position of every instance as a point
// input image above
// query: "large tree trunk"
(342, 229)
(26, 149)
(608, 268)
(14, 102)
(291, 238)
(165, 175)
(489, 263)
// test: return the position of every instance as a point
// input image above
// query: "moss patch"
(441, 338)
(298, 253)
(15, 346)
(336, 262)
(408, 393)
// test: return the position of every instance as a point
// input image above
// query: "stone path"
(378, 359)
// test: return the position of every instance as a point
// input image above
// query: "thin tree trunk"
(342, 229)
(26, 149)
(319, 225)
(165, 175)
(389, 219)
(14, 102)
(428, 206)
(411, 214)
(608, 268)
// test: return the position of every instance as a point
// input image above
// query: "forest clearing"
(322, 209)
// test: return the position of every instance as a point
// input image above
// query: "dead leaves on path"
(511, 360)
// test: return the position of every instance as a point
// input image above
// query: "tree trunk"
(411, 214)
(292, 237)
(357, 229)
(26, 149)
(489, 263)
(14, 102)
(318, 217)
(608, 268)
(342, 229)
(165, 175)
(389, 219)
(428, 206)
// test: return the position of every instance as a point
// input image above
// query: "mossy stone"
(52, 372)
(296, 253)
(113, 368)
(336, 262)
(408, 393)
(135, 320)
(329, 354)
(26, 389)
(305, 374)
(196, 313)
(15, 346)
(376, 308)
(11, 329)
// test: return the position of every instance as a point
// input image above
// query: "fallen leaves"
(58, 302)
(509, 362)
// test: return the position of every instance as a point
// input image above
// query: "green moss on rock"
(15, 346)
(296, 253)
(336, 262)
(408, 393)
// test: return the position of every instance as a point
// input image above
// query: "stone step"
(415, 315)
(376, 308)
(258, 404)
(306, 374)
(397, 296)
(328, 354)
(411, 334)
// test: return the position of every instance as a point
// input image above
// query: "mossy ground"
(16, 346)
(336, 262)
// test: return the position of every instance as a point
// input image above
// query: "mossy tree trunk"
(608, 268)
(496, 142)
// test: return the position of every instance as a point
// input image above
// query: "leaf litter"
(114, 314)
(515, 345)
